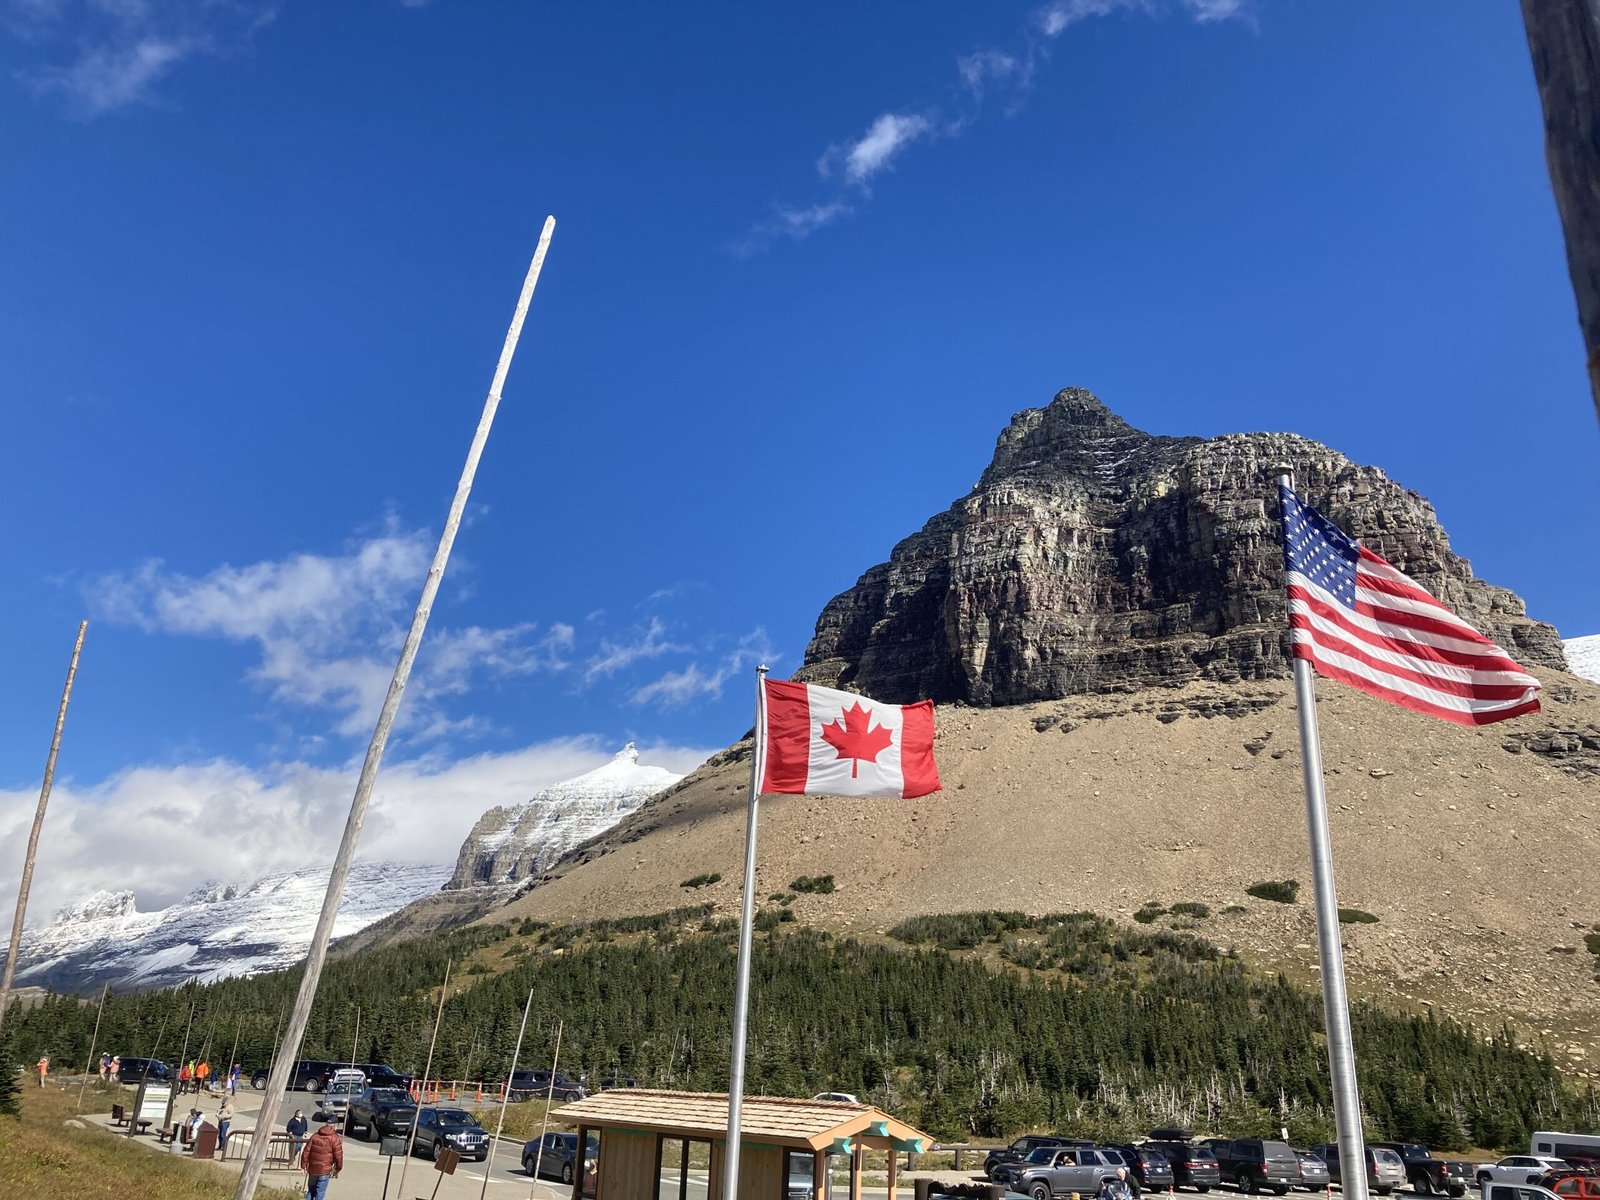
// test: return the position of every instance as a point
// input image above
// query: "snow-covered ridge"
(1583, 656)
(511, 844)
(218, 930)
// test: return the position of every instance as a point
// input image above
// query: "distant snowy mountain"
(217, 931)
(510, 844)
(1583, 655)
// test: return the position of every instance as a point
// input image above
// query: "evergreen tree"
(10, 1085)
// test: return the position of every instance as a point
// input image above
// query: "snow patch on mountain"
(218, 931)
(509, 844)
(1583, 656)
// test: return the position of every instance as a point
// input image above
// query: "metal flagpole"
(427, 1067)
(1335, 1002)
(38, 824)
(94, 1042)
(741, 995)
(505, 1098)
(278, 1083)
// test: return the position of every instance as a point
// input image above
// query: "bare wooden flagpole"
(38, 824)
(549, 1095)
(411, 1136)
(94, 1043)
(505, 1097)
(316, 955)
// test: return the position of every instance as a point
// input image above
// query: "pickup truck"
(1427, 1175)
(379, 1111)
(1071, 1169)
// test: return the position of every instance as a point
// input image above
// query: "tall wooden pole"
(411, 1137)
(1564, 40)
(317, 954)
(38, 824)
(549, 1096)
(94, 1043)
(505, 1096)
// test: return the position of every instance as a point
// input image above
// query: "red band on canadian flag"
(819, 741)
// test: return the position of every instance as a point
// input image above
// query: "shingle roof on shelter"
(778, 1120)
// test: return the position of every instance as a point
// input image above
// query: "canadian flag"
(818, 740)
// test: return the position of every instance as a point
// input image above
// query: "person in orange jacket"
(44, 1068)
(202, 1077)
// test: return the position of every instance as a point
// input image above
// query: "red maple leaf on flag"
(856, 738)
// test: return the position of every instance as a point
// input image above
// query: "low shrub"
(1190, 908)
(700, 881)
(817, 885)
(1149, 912)
(1280, 891)
(1356, 916)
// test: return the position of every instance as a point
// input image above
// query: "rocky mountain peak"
(98, 906)
(1094, 557)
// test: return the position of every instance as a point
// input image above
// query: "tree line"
(982, 1024)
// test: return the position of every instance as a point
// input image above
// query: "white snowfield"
(1583, 656)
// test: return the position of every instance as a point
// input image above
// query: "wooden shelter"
(660, 1145)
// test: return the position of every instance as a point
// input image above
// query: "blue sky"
(810, 259)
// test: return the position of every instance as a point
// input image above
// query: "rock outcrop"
(1093, 557)
(509, 844)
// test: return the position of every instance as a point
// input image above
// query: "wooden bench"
(144, 1124)
(119, 1115)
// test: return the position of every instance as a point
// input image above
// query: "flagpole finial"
(1280, 470)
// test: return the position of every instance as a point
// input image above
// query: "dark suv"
(533, 1085)
(137, 1070)
(1253, 1164)
(1149, 1167)
(1192, 1166)
(310, 1074)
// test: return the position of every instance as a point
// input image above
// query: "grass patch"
(816, 885)
(43, 1159)
(1190, 908)
(1279, 891)
(1356, 916)
(700, 881)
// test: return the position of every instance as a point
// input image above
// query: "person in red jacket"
(322, 1160)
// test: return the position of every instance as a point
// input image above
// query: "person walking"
(105, 1067)
(116, 1068)
(202, 1077)
(233, 1080)
(297, 1130)
(224, 1119)
(184, 1078)
(322, 1161)
(44, 1068)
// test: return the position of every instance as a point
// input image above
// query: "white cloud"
(329, 629)
(615, 656)
(982, 73)
(885, 138)
(693, 682)
(119, 50)
(162, 830)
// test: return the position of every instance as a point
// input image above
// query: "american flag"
(1357, 619)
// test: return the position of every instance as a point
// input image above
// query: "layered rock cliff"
(1094, 557)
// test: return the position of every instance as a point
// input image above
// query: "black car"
(1256, 1163)
(558, 1156)
(1192, 1166)
(454, 1128)
(1314, 1175)
(379, 1111)
(310, 1074)
(1149, 1167)
(536, 1085)
(1017, 1151)
(137, 1070)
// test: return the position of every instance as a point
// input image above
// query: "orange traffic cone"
(479, 1097)
(452, 1089)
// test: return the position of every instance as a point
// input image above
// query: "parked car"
(1080, 1169)
(310, 1074)
(1426, 1174)
(1385, 1171)
(334, 1102)
(559, 1154)
(380, 1075)
(1007, 1173)
(536, 1085)
(843, 1097)
(454, 1128)
(1192, 1165)
(1016, 1152)
(1519, 1168)
(1574, 1185)
(1314, 1175)
(379, 1111)
(1148, 1167)
(137, 1070)
(1256, 1163)
(618, 1081)
(1516, 1191)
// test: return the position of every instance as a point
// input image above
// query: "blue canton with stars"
(1318, 549)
